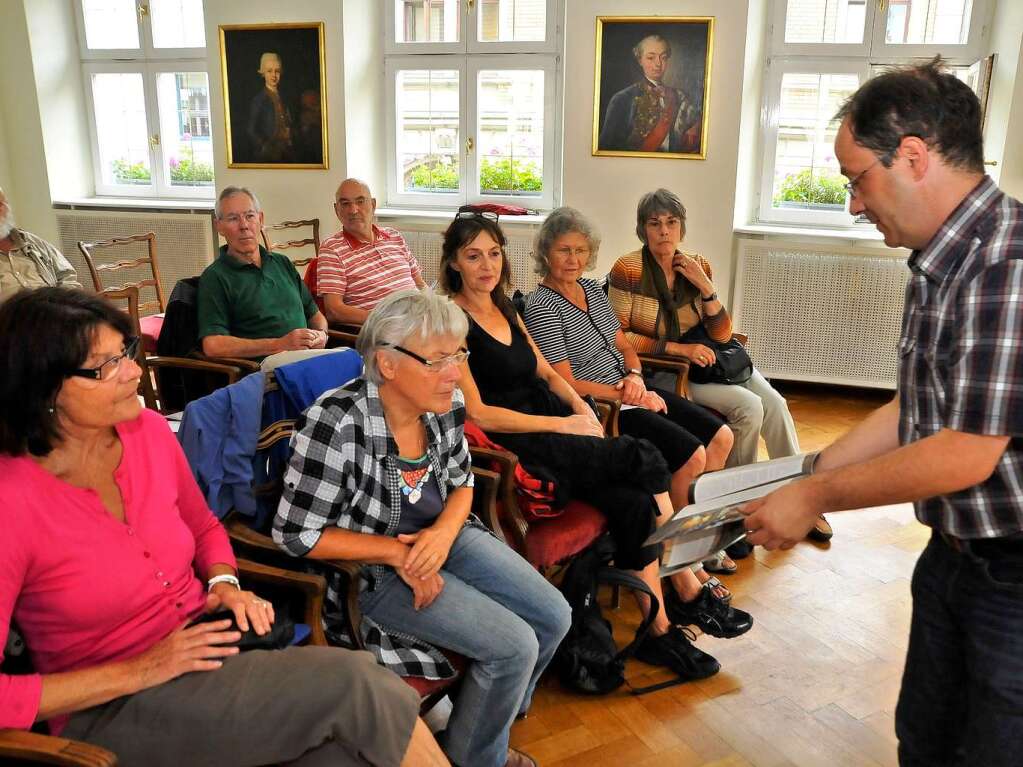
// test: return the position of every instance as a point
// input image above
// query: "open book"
(712, 520)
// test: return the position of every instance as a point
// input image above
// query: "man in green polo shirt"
(252, 302)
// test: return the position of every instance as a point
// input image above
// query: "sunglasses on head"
(467, 211)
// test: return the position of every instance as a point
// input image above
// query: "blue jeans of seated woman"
(496, 610)
(962, 689)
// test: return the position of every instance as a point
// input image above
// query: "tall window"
(471, 92)
(144, 66)
(821, 51)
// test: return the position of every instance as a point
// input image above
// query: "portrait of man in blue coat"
(650, 115)
(271, 122)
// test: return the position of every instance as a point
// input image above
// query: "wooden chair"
(150, 312)
(292, 244)
(23, 747)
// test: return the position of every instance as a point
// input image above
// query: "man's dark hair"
(44, 334)
(923, 101)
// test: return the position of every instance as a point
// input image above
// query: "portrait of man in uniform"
(652, 84)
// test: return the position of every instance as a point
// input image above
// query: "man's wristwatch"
(634, 372)
(708, 299)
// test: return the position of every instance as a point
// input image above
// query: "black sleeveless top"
(506, 374)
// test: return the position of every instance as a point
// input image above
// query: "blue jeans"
(497, 611)
(962, 690)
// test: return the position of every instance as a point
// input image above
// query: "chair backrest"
(279, 245)
(126, 246)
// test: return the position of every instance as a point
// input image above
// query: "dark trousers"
(962, 690)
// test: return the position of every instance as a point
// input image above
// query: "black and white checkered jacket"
(343, 473)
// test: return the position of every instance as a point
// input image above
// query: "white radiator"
(184, 243)
(821, 313)
(425, 241)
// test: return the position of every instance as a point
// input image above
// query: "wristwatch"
(708, 299)
(634, 372)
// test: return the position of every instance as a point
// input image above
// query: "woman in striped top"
(659, 293)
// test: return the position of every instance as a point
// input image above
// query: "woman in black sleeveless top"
(515, 396)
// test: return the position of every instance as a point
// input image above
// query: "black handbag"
(732, 364)
(281, 634)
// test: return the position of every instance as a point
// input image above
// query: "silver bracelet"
(223, 579)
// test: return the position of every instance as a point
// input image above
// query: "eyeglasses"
(583, 253)
(436, 366)
(344, 202)
(109, 369)
(851, 186)
(249, 216)
(468, 212)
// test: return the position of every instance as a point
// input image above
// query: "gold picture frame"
(275, 95)
(651, 86)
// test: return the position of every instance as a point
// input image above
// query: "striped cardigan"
(638, 313)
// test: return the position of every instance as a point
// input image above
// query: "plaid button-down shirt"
(344, 473)
(961, 355)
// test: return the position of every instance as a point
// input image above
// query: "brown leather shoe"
(821, 530)
(518, 758)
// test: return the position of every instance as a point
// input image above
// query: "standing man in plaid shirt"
(910, 143)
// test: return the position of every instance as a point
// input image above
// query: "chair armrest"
(246, 365)
(336, 338)
(610, 408)
(506, 496)
(232, 371)
(47, 749)
(351, 577)
(484, 500)
(742, 338)
(677, 365)
(241, 533)
(313, 588)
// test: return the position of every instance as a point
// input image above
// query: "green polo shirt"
(247, 301)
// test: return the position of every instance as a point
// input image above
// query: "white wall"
(364, 93)
(285, 194)
(607, 188)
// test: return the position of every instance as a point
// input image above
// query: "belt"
(983, 546)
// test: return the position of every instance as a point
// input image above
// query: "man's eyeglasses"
(468, 212)
(250, 217)
(109, 369)
(344, 202)
(435, 366)
(851, 186)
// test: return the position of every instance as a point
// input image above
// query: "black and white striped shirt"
(586, 339)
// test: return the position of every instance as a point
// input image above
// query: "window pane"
(825, 21)
(510, 132)
(121, 128)
(428, 148)
(512, 20)
(805, 171)
(177, 23)
(184, 102)
(928, 21)
(110, 24)
(426, 21)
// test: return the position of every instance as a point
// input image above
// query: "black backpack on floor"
(587, 659)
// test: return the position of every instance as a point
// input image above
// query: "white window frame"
(149, 62)
(468, 56)
(837, 58)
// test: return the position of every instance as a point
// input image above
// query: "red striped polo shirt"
(362, 273)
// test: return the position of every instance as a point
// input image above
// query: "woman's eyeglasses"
(109, 369)
(467, 211)
(435, 366)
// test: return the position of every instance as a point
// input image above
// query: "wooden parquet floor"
(814, 682)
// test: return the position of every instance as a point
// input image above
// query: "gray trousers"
(751, 409)
(306, 706)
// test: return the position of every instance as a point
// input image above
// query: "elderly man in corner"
(363, 262)
(252, 302)
(28, 261)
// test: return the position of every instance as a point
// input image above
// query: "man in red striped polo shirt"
(363, 262)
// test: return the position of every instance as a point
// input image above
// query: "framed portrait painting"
(275, 107)
(651, 86)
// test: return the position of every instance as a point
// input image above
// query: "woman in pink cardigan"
(109, 554)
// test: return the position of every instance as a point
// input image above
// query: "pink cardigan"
(86, 589)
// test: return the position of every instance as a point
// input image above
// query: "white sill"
(151, 204)
(856, 235)
(444, 216)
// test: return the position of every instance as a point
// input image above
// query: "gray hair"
(404, 315)
(231, 191)
(637, 50)
(561, 221)
(353, 180)
(266, 57)
(654, 204)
